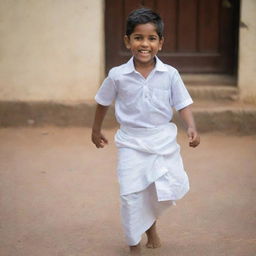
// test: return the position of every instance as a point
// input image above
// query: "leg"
(153, 238)
(135, 250)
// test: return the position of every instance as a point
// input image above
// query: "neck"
(145, 69)
(144, 66)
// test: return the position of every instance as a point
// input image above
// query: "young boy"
(150, 169)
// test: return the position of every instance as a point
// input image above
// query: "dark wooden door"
(200, 35)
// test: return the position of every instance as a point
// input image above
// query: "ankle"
(152, 229)
(135, 250)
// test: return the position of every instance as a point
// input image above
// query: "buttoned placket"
(146, 95)
(145, 81)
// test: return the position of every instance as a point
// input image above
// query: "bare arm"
(187, 117)
(97, 137)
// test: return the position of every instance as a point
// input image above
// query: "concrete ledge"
(241, 120)
(211, 92)
(235, 121)
(50, 113)
(209, 79)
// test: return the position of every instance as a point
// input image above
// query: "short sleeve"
(179, 94)
(106, 93)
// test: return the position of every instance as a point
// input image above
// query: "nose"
(145, 43)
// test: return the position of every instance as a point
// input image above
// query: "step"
(213, 92)
(225, 116)
(211, 86)
(17, 113)
(209, 79)
(217, 105)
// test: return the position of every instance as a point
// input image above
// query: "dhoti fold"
(151, 176)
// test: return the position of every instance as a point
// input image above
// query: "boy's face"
(144, 44)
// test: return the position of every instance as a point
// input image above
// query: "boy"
(150, 169)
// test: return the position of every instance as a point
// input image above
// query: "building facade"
(54, 50)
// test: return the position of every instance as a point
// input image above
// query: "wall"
(51, 50)
(247, 51)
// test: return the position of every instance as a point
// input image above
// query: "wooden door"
(200, 35)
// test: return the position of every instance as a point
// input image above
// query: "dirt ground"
(59, 197)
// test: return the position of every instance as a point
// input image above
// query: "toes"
(157, 245)
(153, 245)
(149, 245)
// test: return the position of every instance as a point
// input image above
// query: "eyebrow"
(142, 35)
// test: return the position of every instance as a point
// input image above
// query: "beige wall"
(247, 51)
(51, 50)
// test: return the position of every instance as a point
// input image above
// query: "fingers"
(194, 142)
(193, 138)
(104, 139)
(99, 140)
(102, 144)
(99, 144)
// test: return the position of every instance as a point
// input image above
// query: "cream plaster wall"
(247, 51)
(51, 50)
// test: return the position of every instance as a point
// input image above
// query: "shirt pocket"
(160, 98)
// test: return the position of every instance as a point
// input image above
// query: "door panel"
(208, 28)
(200, 36)
(187, 26)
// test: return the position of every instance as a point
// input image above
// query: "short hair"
(143, 16)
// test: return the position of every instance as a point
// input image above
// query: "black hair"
(143, 16)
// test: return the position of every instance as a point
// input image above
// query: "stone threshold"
(210, 116)
(18, 113)
(210, 79)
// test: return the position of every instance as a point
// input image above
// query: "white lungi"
(151, 176)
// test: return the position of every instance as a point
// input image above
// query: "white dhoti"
(151, 176)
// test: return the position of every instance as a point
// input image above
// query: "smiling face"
(144, 44)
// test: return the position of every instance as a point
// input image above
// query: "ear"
(127, 42)
(161, 42)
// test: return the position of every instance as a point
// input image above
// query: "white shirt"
(143, 102)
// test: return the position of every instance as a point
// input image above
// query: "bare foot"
(135, 250)
(153, 238)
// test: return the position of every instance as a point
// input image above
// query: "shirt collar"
(129, 66)
(160, 66)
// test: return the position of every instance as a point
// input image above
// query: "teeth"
(143, 51)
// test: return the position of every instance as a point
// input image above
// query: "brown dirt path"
(59, 197)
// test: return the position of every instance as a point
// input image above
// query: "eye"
(137, 38)
(152, 38)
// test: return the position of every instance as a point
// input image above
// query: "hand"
(99, 139)
(193, 136)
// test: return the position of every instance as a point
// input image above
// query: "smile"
(144, 51)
